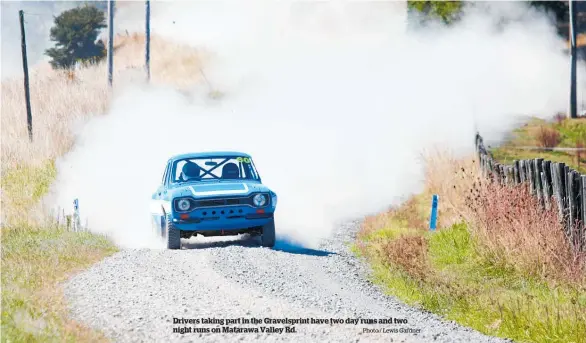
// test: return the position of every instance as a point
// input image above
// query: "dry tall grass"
(60, 100)
(451, 178)
(514, 230)
(548, 137)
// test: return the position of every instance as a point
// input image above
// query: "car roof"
(207, 154)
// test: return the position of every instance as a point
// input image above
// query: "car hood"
(215, 189)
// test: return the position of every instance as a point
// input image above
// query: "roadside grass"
(22, 187)
(572, 134)
(36, 257)
(34, 263)
(489, 266)
(458, 284)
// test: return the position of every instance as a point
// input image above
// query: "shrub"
(559, 118)
(408, 252)
(548, 138)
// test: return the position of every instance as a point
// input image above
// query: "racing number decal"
(243, 159)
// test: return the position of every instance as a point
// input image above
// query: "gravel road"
(136, 295)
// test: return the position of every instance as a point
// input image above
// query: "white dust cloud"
(334, 100)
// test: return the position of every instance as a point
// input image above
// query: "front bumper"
(223, 218)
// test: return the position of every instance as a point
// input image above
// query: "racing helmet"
(191, 171)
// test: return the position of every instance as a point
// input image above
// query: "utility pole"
(110, 40)
(573, 97)
(148, 39)
(27, 94)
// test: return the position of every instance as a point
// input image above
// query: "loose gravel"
(136, 295)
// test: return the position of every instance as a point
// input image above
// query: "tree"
(558, 8)
(447, 11)
(75, 33)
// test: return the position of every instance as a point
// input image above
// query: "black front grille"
(223, 202)
(227, 201)
(210, 203)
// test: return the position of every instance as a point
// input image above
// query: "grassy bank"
(36, 257)
(514, 278)
(560, 132)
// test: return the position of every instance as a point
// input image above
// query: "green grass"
(462, 286)
(572, 132)
(36, 259)
(22, 188)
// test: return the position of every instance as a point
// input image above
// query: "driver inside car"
(191, 171)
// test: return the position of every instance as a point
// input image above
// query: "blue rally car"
(212, 194)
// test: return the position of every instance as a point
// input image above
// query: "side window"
(165, 174)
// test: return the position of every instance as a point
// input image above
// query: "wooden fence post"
(573, 192)
(569, 184)
(582, 232)
(559, 189)
(516, 172)
(494, 170)
(537, 167)
(545, 191)
(547, 183)
(564, 190)
(531, 176)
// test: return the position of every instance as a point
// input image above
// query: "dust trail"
(334, 101)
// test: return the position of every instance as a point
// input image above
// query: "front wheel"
(268, 234)
(173, 235)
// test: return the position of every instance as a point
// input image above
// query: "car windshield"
(214, 168)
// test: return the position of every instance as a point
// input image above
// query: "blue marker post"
(76, 215)
(433, 218)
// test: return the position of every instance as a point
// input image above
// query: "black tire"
(268, 234)
(173, 235)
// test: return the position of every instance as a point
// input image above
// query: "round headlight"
(183, 205)
(259, 200)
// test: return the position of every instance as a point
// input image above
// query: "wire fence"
(553, 183)
(70, 221)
